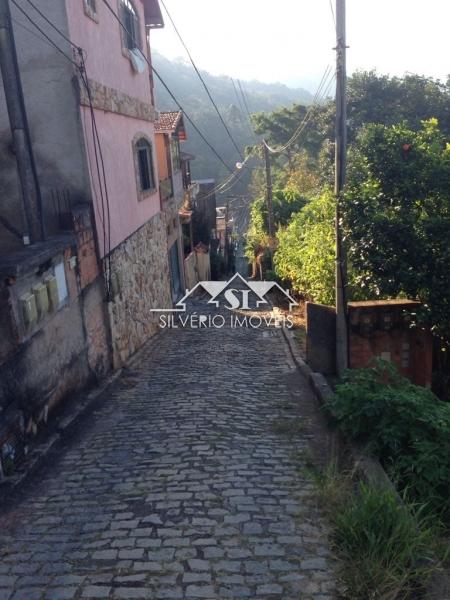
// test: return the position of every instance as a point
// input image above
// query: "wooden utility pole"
(29, 184)
(340, 170)
(269, 198)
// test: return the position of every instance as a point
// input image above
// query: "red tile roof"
(168, 121)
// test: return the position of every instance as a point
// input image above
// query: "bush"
(385, 548)
(406, 426)
(305, 254)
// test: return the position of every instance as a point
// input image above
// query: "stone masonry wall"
(140, 282)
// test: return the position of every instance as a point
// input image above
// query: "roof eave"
(153, 14)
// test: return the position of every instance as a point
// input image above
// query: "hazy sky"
(291, 40)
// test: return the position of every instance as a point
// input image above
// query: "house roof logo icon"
(215, 288)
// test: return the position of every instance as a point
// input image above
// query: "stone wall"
(140, 282)
(112, 100)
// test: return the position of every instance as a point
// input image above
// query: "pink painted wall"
(105, 63)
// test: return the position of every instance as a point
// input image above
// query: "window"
(90, 9)
(130, 34)
(145, 165)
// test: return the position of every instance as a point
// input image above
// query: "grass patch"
(386, 548)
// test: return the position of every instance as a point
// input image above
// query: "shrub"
(406, 426)
(305, 254)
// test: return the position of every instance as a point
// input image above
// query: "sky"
(291, 41)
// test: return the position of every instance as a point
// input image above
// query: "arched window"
(129, 17)
(144, 155)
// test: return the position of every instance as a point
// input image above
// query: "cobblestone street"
(178, 483)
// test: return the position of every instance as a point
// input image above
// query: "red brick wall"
(382, 329)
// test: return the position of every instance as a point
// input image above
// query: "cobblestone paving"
(177, 485)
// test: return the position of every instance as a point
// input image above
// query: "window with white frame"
(131, 37)
(144, 160)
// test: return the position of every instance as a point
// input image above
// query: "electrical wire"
(42, 32)
(246, 106)
(31, 32)
(203, 81)
(306, 118)
(324, 81)
(143, 55)
(101, 175)
(332, 12)
(188, 118)
(242, 109)
(63, 35)
(227, 183)
(100, 166)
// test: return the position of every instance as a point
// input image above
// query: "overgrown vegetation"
(305, 254)
(385, 548)
(406, 426)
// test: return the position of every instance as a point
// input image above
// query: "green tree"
(374, 98)
(305, 254)
(397, 216)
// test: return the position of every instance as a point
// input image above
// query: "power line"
(44, 34)
(203, 82)
(63, 35)
(210, 146)
(101, 173)
(332, 12)
(145, 58)
(246, 104)
(228, 183)
(242, 109)
(241, 106)
(308, 115)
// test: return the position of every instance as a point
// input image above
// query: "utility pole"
(29, 184)
(340, 170)
(269, 198)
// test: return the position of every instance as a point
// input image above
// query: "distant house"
(78, 301)
(178, 194)
(205, 211)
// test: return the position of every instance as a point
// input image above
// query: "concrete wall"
(141, 270)
(321, 338)
(54, 119)
(68, 346)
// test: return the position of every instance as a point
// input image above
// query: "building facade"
(78, 299)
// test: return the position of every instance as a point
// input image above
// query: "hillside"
(184, 83)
